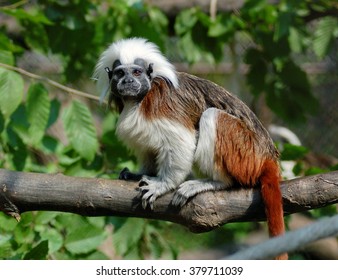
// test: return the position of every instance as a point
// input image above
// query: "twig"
(213, 9)
(51, 82)
(15, 5)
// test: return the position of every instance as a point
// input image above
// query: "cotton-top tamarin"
(174, 120)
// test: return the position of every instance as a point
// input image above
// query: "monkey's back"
(201, 94)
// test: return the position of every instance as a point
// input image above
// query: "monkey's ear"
(116, 63)
(109, 72)
(150, 70)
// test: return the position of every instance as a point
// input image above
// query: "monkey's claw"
(179, 199)
(186, 190)
(151, 188)
(147, 192)
(148, 195)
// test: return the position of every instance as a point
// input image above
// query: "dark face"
(130, 80)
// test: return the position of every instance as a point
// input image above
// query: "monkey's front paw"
(151, 188)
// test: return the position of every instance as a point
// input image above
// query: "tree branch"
(50, 82)
(21, 192)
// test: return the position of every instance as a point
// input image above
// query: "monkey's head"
(130, 80)
(127, 68)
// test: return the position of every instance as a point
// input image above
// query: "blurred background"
(280, 57)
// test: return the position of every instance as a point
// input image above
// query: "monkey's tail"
(272, 198)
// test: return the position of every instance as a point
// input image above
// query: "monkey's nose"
(128, 80)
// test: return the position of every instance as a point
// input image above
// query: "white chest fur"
(138, 132)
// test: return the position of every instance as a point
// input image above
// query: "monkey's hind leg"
(205, 160)
(193, 187)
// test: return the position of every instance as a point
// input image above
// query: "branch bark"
(21, 192)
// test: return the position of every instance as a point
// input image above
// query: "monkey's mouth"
(129, 90)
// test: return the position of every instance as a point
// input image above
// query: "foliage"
(76, 32)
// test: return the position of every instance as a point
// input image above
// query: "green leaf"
(326, 211)
(283, 24)
(99, 222)
(50, 145)
(300, 89)
(36, 36)
(334, 167)
(258, 70)
(33, 21)
(6, 249)
(11, 91)
(293, 152)
(23, 234)
(128, 235)
(7, 223)
(2, 123)
(289, 92)
(6, 57)
(152, 25)
(189, 49)
(195, 43)
(95, 256)
(314, 170)
(31, 15)
(298, 168)
(70, 222)
(44, 217)
(84, 239)
(324, 36)
(296, 40)
(38, 109)
(54, 112)
(280, 100)
(18, 151)
(20, 125)
(39, 252)
(185, 21)
(211, 48)
(273, 49)
(221, 25)
(80, 130)
(7, 44)
(54, 238)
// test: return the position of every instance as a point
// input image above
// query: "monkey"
(174, 121)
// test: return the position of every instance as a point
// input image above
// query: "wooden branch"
(21, 192)
(50, 82)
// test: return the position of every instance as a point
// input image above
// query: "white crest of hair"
(127, 50)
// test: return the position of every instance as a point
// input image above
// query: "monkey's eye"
(137, 72)
(119, 73)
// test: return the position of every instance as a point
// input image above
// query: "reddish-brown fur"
(238, 154)
(237, 150)
(272, 198)
(161, 103)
